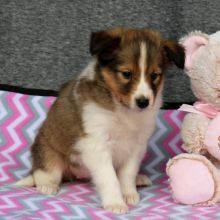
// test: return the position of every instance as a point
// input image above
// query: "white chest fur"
(120, 132)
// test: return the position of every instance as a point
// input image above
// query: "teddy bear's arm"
(193, 132)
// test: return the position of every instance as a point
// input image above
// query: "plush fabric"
(20, 117)
(204, 181)
(200, 127)
(211, 137)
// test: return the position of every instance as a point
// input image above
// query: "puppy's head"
(132, 62)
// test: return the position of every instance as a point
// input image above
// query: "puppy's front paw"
(143, 180)
(132, 198)
(48, 189)
(120, 208)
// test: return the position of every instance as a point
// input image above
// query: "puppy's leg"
(47, 182)
(143, 180)
(128, 178)
(48, 176)
(99, 162)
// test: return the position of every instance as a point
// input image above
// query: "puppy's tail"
(27, 181)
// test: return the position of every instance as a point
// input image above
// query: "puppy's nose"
(142, 102)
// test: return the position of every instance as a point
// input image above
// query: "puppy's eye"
(127, 74)
(154, 76)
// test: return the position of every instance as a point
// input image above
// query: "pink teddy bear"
(195, 176)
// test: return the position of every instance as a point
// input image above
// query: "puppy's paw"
(143, 180)
(131, 198)
(117, 208)
(48, 189)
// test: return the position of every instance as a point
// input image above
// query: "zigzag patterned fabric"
(20, 117)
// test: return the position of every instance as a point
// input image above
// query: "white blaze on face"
(143, 88)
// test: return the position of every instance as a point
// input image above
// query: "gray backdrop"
(44, 43)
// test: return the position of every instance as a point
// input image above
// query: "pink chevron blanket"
(20, 117)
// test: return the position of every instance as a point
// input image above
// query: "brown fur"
(119, 50)
(63, 126)
(60, 130)
(116, 50)
(95, 91)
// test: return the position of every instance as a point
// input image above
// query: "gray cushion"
(45, 43)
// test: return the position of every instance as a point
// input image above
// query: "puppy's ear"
(192, 43)
(175, 53)
(104, 45)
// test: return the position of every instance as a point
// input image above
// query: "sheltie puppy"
(101, 122)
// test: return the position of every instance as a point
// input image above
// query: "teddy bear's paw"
(188, 173)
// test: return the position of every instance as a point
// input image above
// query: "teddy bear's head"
(202, 65)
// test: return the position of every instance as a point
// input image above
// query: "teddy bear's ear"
(192, 43)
